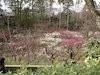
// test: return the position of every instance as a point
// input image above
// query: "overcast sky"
(76, 7)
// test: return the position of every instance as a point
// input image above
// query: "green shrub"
(92, 48)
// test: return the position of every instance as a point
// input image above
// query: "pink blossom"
(63, 42)
(72, 41)
(75, 41)
(6, 35)
(27, 43)
(66, 35)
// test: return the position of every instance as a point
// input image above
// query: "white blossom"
(51, 39)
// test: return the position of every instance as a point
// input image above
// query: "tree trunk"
(96, 14)
(91, 7)
(20, 13)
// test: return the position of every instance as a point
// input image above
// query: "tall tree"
(0, 6)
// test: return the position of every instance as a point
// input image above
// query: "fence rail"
(28, 66)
